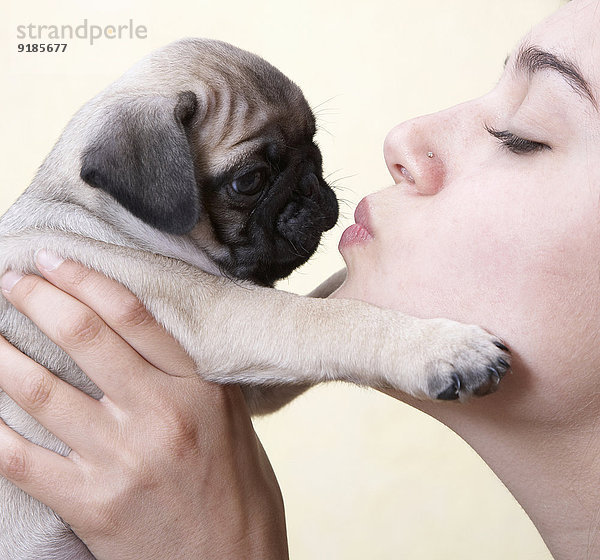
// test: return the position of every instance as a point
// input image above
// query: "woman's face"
(501, 227)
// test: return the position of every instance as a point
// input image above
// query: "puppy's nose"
(309, 185)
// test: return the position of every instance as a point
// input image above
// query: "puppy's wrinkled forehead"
(243, 93)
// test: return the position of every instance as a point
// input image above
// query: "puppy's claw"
(451, 393)
(501, 346)
(504, 367)
(495, 374)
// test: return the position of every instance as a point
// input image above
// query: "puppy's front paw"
(466, 361)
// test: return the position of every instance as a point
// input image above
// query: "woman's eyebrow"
(531, 59)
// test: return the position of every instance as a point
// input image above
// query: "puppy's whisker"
(322, 128)
(296, 252)
(344, 178)
(345, 202)
(314, 109)
(327, 110)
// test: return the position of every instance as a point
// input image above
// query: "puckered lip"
(359, 232)
(362, 215)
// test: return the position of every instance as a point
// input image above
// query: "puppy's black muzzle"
(312, 210)
(285, 227)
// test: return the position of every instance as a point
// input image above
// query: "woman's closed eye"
(517, 144)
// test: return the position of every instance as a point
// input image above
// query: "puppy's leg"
(269, 337)
(241, 333)
(265, 399)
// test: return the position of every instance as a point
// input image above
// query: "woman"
(494, 220)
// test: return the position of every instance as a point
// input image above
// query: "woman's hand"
(165, 465)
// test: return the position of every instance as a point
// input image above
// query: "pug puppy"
(194, 180)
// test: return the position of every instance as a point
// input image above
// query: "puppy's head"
(206, 140)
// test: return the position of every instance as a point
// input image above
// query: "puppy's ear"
(142, 158)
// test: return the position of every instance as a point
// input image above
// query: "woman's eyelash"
(515, 143)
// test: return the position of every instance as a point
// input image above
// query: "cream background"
(363, 476)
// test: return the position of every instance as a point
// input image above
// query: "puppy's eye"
(250, 183)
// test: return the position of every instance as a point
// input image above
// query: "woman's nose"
(414, 157)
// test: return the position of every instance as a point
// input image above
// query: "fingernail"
(9, 280)
(47, 261)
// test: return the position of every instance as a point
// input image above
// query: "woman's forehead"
(573, 33)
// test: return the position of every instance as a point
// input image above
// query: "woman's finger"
(65, 411)
(120, 309)
(106, 358)
(41, 473)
